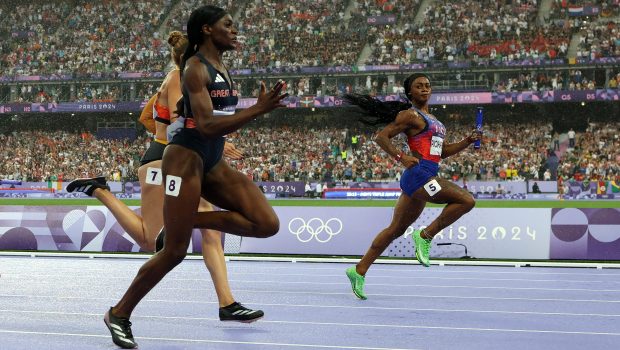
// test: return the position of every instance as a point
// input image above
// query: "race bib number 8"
(173, 185)
(153, 176)
(432, 187)
(436, 145)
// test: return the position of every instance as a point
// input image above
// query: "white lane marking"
(131, 274)
(276, 292)
(208, 341)
(371, 325)
(476, 269)
(348, 307)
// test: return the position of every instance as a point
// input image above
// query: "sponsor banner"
(608, 95)
(295, 189)
(366, 193)
(99, 106)
(577, 95)
(68, 228)
(381, 20)
(10, 108)
(514, 233)
(141, 75)
(10, 182)
(523, 96)
(461, 98)
(471, 186)
(479, 195)
(495, 186)
(391, 67)
(337, 101)
(487, 233)
(591, 234)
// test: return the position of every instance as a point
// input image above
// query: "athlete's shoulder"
(196, 71)
(409, 116)
(174, 74)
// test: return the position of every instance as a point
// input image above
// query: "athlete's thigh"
(406, 211)
(446, 192)
(182, 170)
(229, 189)
(152, 199)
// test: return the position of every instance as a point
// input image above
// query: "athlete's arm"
(405, 120)
(451, 149)
(196, 78)
(146, 117)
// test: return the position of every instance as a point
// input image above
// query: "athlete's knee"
(175, 255)
(268, 226)
(468, 202)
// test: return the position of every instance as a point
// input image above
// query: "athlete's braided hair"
(375, 112)
(207, 14)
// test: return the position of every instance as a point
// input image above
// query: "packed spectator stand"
(88, 45)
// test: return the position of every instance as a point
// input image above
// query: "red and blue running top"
(429, 142)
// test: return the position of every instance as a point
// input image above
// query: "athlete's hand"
(409, 161)
(474, 136)
(270, 100)
(231, 152)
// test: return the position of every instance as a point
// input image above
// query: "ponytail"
(375, 112)
(189, 52)
(180, 107)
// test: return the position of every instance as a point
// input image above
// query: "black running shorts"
(210, 150)
(153, 153)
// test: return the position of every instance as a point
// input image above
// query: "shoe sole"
(420, 261)
(244, 321)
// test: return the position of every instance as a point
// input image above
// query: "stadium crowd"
(323, 151)
(38, 155)
(100, 39)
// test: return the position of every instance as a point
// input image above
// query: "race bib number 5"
(432, 187)
(436, 145)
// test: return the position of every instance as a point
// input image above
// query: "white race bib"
(432, 187)
(173, 185)
(436, 145)
(153, 176)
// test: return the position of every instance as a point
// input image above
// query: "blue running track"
(58, 303)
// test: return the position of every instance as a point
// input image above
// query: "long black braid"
(375, 112)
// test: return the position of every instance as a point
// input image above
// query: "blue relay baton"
(479, 113)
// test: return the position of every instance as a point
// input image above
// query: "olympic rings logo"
(315, 228)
